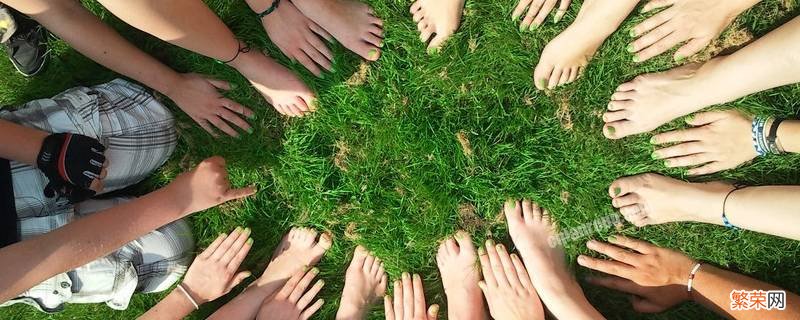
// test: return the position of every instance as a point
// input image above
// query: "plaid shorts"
(139, 135)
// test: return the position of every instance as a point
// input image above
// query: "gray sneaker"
(27, 46)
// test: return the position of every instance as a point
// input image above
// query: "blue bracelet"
(725, 220)
(758, 134)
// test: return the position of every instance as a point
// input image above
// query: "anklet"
(188, 296)
(269, 10)
(239, 51)
(725, 220)
(691, 278)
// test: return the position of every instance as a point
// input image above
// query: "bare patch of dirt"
(736, 37)
(472, 45)
(360, 76)
(351, 232)
(469, 219)
(565, 197)
(340, 159)
(564, 112)
(466, 146)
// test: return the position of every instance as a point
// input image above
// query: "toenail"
(635, 58)
(612, 238)
(533, 26)
(238, 229)
(591, 244)
(321, 282)
(617, 190)
(582, 260)
(611, 130)
(373, 53)
(515, 18)
(490, 242)
(666, 163)
(629, 48)
(252, 116)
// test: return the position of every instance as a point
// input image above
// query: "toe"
(324, 243)
(416, 6)
(368, 261)
(626, 200)
(554, 78)
(464, 241)
(624, 186)
(619, 129)
(564, 77)
(527, 210)
(623, 95)
(628, 86)
(510, 209)
(359, 255)
(441, 254)
(615, 116)
(452, 246)
(615, 105)
(376, 267)
(541, 75)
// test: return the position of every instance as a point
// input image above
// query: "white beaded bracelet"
(188, 296)
(691, 277)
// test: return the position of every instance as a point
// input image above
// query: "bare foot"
(279, 86)
(440, 17)
(299, 38)
(351, 22)
(365, 284)
(299, 249)
(534, 235)
(457, 259)
(537, 12)
(565, 57)
(654, 199)
(654, 99)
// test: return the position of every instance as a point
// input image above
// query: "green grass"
(380, 164)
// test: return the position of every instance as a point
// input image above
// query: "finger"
(235, 194)
(302, 286)
(96, 185)
(690, 48)
(519, 9)
(691, 134)
(219, 84)
(213, 246)
(689, 160)
(709, 168)
(237, 280)
(207, 127)
(616, 283)
(606, 266)
(522, 273)
(388, 309)
(562, 9)
(222, 126)
(679, 150)
(544, 12)
(312, 310)
(637, 245)
(291, 284)
(398, 300)
(238, 108)
(306, 299)
(508, 267)
(656, 4)
(496, 265)
(614, 252)
(419, 297)
(433, 312)
(226, 244)
(233, 118)
(237, 246)
(642, 305)
(533, 10)
(408, 295)
(237, 259)
(661, 46)
(486, 267)
(649, 24)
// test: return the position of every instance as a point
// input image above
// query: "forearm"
(712, 288)
(32, 261)
(91, 37)
(789, 136)
(769, 62)
(245, 305)
(174, 306)
(767, 209)
(11, 134)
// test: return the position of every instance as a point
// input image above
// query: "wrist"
(681, 275)
(170, 84)
(788, 132)
(172, 200)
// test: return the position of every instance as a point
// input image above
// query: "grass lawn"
(407, 150)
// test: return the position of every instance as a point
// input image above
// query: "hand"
(537, 12)
(641, 262)
(200, 98)
(290, 303)
(507, 285)
(213, 272)
(74, 164)
(206, 186)
(299, 38)
(695, 22)
(645, 299)
(718, 141)
(409, 301)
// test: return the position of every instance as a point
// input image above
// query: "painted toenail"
(481, 251)
(238, 229)
(314, 270)
(612, 238)
(514, 17)
(246, 230)
(666, 163)
(635, 58)
(617, 190)
(490, 242)
(373, 53)
(611, 130)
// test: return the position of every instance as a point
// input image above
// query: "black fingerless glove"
(71, 162)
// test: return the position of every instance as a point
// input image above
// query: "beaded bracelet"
(691, 277)
(759, 142)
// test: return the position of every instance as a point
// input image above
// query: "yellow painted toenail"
(533, 26)
(679, 58)
(238, 229)
(654, 155)
(612, 238)
(611, 130)
(514, 17)
(373, 53)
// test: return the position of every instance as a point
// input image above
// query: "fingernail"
(653, 140)
(611, 130)
(679, 58)
(635, 58)
(522, 28)
(481, 251)
(222, 235)
(629, 47)
(405, 275)
(321, 283)
(581, 260)
(533, 26)
(416, 277)
(250, 130)
(500, 246)
(248, 274)
(315, 270)
(654, 156)
(617, 191)
(612, 238)
(632, 33)
(490, 242)
(238, 229)
(246, 230)
(250, 241)
(591, 244)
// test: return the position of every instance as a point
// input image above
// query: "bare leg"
(564, 58)
(190, 24)
(351, 22)
(652, 100)
(364, 285)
